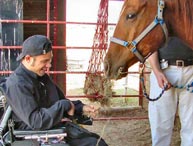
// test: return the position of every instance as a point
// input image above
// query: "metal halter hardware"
(158, 20)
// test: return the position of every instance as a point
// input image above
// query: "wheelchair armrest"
(34, 134)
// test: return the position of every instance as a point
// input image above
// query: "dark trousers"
(87, 141)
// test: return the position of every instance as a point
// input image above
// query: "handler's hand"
(162, 80)
(90, 110)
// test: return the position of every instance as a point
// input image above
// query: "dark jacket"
(176, 49)
(37, 103)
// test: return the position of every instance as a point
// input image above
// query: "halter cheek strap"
(158, 20)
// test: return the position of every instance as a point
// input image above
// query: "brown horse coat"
(135, 16)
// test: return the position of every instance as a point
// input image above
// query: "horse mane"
(184, 11)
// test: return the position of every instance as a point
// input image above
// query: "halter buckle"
(180, 63)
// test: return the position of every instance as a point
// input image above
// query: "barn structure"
(79, 30)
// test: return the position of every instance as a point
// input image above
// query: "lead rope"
(142, 81)
(188, 87)
(141, 73)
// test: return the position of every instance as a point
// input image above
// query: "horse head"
(120, 54)
(140, 30)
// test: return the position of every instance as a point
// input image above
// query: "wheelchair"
(14, 137)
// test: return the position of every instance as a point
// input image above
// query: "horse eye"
(130, 16)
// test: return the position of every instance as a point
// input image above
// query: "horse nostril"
(106, 68)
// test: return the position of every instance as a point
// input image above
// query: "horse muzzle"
(114, 73)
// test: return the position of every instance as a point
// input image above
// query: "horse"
(143, 27)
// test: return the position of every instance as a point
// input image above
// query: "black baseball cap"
(35, 45)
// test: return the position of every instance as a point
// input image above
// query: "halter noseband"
(158, 20)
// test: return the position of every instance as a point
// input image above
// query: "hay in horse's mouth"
(98, 85)
(120, 73)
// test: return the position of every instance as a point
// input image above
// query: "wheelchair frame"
(10, 136)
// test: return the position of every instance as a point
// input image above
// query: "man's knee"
(101, 142)
(88, 141)
(97, 141)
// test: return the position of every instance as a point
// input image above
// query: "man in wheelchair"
(38, 105)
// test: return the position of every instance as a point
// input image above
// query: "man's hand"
(90, 110)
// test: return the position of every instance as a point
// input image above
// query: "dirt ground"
(134, 131)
